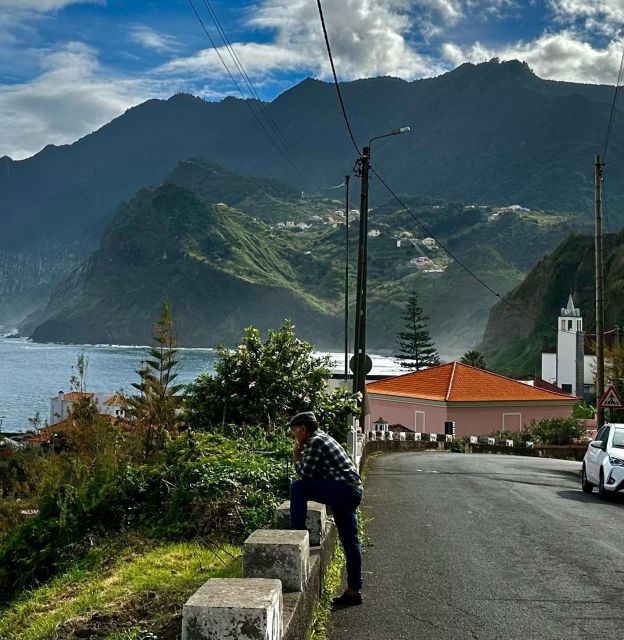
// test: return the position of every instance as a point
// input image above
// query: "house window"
(566, 388)
(419, 421)
(563, 325)
(512, 421)
(569, 325)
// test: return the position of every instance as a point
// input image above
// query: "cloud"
(556, 56)
(71, 97)
(151, 39)
(43, 6)
(606, 16)
(368, 38)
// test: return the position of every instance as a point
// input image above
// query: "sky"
(67, 67)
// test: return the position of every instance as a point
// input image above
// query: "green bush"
(555, 431)
(263, 383)
(561, 431)
(204, 484)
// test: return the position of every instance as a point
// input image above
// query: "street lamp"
(361, 363)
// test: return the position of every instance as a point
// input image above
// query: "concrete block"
(474, 439)
(402, 435)
(529, 444)
(234, 609)
(316, 520)
(417, 436)
(448, 438)
(509, 443)
(433, 437)
(283, 554)
(491, 441)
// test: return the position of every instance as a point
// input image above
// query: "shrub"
(561, 431)
(263, 383)
(204, 484)
(555, 431)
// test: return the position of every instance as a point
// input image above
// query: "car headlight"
(616, 462)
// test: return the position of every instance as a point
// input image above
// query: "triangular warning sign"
(610, 399)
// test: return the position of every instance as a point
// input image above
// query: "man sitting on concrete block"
(328, 475)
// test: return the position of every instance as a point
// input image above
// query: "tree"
(262, 383)
(154, 412)
(417, 350)
(474, 358)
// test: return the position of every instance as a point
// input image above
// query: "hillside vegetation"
(223, 267)
(517, 329)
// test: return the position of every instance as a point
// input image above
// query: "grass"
(129, 591)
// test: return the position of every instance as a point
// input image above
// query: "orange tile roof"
(116, 399)
(457, 382)
(72, 396)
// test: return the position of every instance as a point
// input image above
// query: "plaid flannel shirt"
(324, 459)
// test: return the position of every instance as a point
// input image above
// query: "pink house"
(477, 401)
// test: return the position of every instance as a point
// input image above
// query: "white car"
(603, 465)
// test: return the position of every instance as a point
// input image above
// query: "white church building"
(571, 365)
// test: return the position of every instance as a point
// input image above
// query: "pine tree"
(154, 410)
(417, 350)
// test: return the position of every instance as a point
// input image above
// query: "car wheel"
(603, 494)
(586, 485)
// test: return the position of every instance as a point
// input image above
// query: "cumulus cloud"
(67, 100)
(368, 38)
(556, 56)
(606, 16)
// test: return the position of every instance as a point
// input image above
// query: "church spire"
(570, 310)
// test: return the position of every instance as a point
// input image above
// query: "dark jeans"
(344, 501)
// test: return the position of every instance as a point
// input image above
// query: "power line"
(337, 85)
(239, 65)
(457, 260)
(607, 138)
(255, 115)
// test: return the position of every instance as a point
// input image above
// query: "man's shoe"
(347, 600)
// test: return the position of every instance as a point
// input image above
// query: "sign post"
(611, 399)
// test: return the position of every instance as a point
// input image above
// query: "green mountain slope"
(517, 329)
(220, 269)
(224, 268)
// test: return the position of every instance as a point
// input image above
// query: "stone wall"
(283, 574)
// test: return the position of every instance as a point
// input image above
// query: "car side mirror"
(597, 444)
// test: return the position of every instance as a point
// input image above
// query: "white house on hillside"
(106, 403)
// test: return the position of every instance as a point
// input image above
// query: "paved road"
(484, 547)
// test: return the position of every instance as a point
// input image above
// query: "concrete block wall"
(282, 581)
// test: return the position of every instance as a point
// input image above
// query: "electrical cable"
(460, 262)
(245, 76)
(336, 83)
(607, 138)
(246, 101)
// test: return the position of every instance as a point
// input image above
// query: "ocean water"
(31, 373)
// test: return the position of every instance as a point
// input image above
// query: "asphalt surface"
(483, 547)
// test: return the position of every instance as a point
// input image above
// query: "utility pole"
(346, 312)
(361, 362)
(600, 378)
(359, 356)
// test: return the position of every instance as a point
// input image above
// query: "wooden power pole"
(600, 377)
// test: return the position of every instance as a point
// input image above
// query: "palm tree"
(474, 358)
